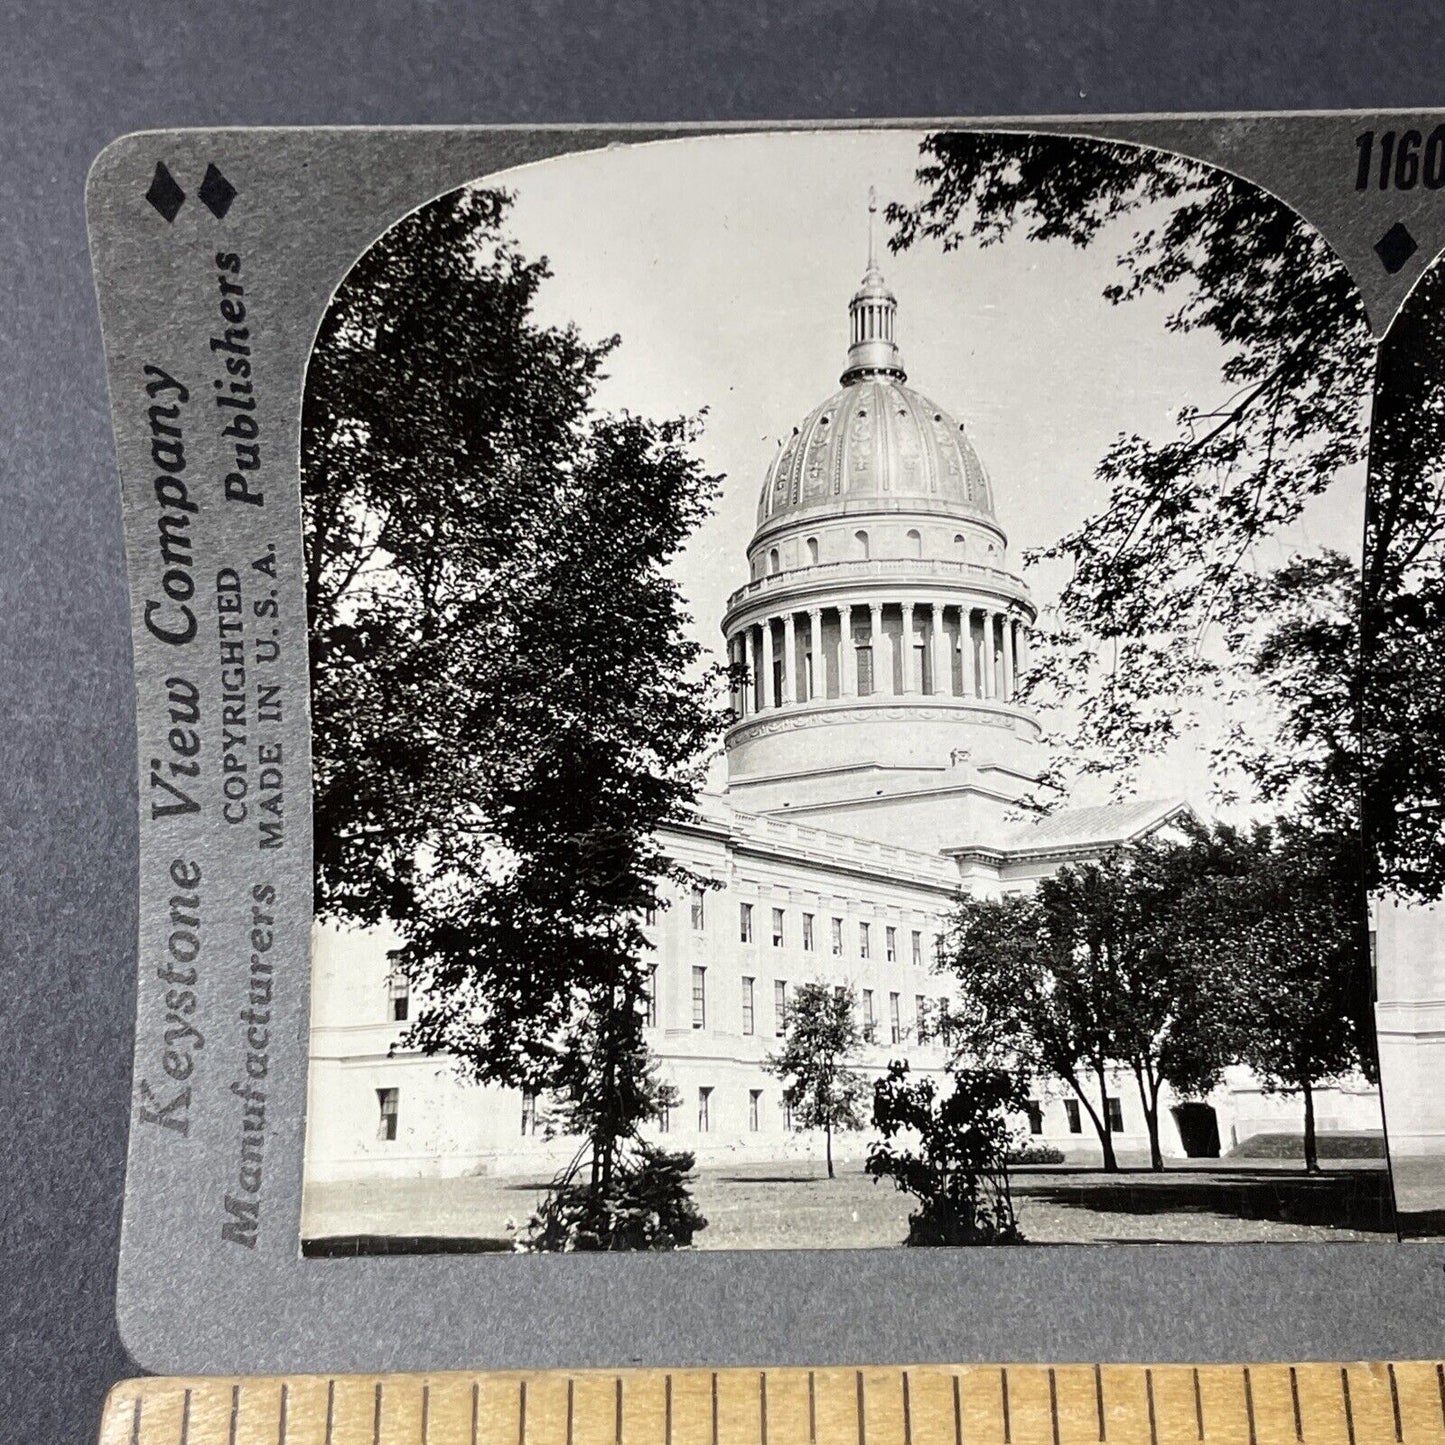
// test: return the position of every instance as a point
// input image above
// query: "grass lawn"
(794, 1206)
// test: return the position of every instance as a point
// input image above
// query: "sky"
(725, 264)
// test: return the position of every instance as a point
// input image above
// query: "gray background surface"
(72, 78)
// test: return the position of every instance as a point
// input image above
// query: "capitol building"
(872, 772)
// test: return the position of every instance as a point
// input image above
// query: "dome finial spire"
(871, 313)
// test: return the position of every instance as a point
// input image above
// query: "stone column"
(818, 682)
(942, 660)
(769, 700)
(1021, 642)
(1008, 658)
(876, 642)
(750, 688)
(986, 658)
(905, 641)
(847, 656)
(790, 662)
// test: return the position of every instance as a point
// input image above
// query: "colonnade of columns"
(865, 654)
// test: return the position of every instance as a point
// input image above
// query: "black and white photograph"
(836, 710)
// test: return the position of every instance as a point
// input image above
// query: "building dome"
(878, 644)
(875, 445)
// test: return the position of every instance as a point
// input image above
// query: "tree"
(1109, 964)
(1170, 598)
(1299, 951)
(506, 702)
(820, 1087)
(959, 1172)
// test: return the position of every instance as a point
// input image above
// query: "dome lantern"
(872, 350)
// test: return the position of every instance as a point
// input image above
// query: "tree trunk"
(1101, 1122)
(1312, 1158)
(828, 1147)
(1149, 1100)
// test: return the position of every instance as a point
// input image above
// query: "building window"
(860, 546)
(865, 941)
(777, 928)
(651, 997)
(837, 938)
(807, 933)
(863, 665)
(920, 1015)
(1036, 1116)
(699, 915)
(755, 1100)
(869, 1022)
(1071, 1108)
(664, 1117)
(917, 949)
(699, 997)
(774, 562)
(787, 1115)
(529, 1113)
(780, 1007)
(386, 1100)
(1115, 1109)
(745, 922)
(839, 992)
(812, 545)
(704, 1110)
(890, 944)
(747, 1006)
(895, 1021)
(938, 948)
(398, 997)
(649, 915)
(945, 1023)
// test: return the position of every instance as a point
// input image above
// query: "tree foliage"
(820, 1043)
(506, 703)
(959, 1170)
(1174, 580)
(1172, 959)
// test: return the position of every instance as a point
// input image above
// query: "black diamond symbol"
(1396, 247)
(164, 194)
(216, 192)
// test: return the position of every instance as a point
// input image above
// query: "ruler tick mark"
(813, 1410)
(714, 1407)
(1395, 1402)
(1099, 1397)
(521, 1413)
(957, 1411)
(1299, 1424)
(330, 1409)
(1249, 1406)
(235, 1413)
(763, 1406)
(1003, 1393)
(186, 1418)
(135, 1422)
(1440, 1388)
(1198, 1406)
(1054, 1403)
(667, 1410)
(862, 1433)
(617, 1413)
(476, 1410)
(571, 1403)
(907, 1412)
(426, 1413)
(285, 1404)
(1349, 1407)
(375, 1417)
(1149, 1396)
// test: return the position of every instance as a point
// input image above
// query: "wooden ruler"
(1320, 1404)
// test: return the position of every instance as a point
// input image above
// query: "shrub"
(959, 1173)
(645, 1206)
(1036, 1154)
